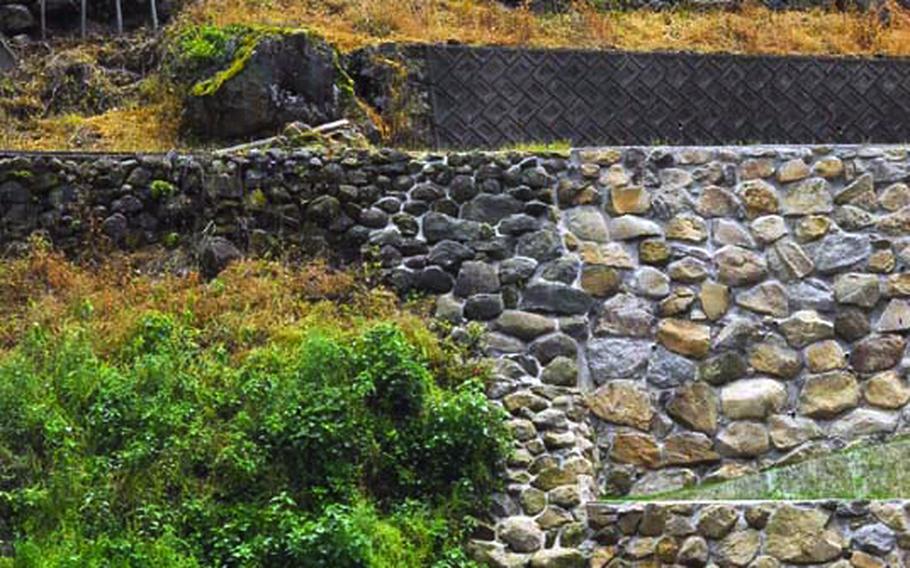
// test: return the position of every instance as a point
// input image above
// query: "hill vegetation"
(123, 97)
(153, 420)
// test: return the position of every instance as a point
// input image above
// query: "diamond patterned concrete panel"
(490, 96)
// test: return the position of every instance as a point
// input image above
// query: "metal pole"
(43, 19)
(82, 16)
(119, 17)
(154, 15)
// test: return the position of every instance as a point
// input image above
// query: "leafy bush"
(334, 449)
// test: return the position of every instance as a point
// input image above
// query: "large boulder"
(275, 79)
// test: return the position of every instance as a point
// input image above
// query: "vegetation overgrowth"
(271, 417)
(144, 113)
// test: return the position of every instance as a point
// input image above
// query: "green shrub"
(331, 450)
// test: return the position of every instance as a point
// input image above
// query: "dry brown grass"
(753, 29)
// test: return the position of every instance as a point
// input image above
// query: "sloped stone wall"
(660, 317)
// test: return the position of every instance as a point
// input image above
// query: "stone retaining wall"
(660, 316)
(767, 534)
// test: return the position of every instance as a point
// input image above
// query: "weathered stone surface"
(897, 285)
(808, 197)
(895, 197)
(775, 359)
(677, 303)
(864, 184)
(877, 353)
(624, 403)
(727, 232)
(886, 390)
(521, 534)
(587, 223)
(875, 539)
(629, 227)
(840, 250)
(812, 227)
(630, 199)
(857, 289)
(752, 398)
(754, 168)
(759, 197)
(653, 251)
(792, 170)
(555, 298)
(540, 245)
(615, 358)
(687, 228)
(625, 314)
(829, 394)
(715, 299)
(896, 317)
(684, 337)
(558, 558)
(491, 208)
(825, 356)
(895, 224)
(693, 552)
(561, 371)
(716, 201)
(804, 327)
(599, 280)
(524, 325)
(852, 324)
(737, 266)
(739, 547)
(769, 228)
(689, 270)
(790, 261)
(668, 369)
(864, 422)
(766, 298)
(723, 368)
(695, 406)
(650, 282)
(476, 278)
(688, 449)
(716, 521)
(800, 536)
(828, 167)
(790, 431)
(743, 439)
(636, 449)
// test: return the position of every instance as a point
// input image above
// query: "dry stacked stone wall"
(660, 317)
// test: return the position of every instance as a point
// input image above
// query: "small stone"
(895, 197)
(555, 298)
(668, 369)
(716, 201)
(630, 199)
(769, 228)
(897, 285)
(716, 521)
(483, 307)
(882, 261)
(515, 270)
(476, 278)
(886, 390)
(540, 245)
(864, 184)
(533, 501)
(521, 534)
(677, 303)
(790, 431)
(629, 227)
(875, 539)
(558, 558)
(653, 251)
(715, 299)
(693, 552)
(687, 228)
(625, 314)
(799, 536)
(895, 224)
(774, 359)
(624, 403)
(695, 406)
(812, 228)
(688, 449)
(600, 281)
(841, 250)
(852, 218)
(617, 358)
(685, 337)
(766, 298)
(759, 197)
(896, 317)
(790, 261)
(217, 254)
(554, 476)
(723, 368)
(743, 439)
(792, 170)
(877, 353)
(864, 422)
(524, 325)
(727, 232)
(825, 356)
(857, 289)
(562, 371)
(688, 270)
(663, 481)
(738, 267)
(738, 548)
(651, 282)
(852, 324)
(752, 398)
(754, 168)
(636, 449)
(828, 167)
(808, 197)
(587, 223)
(829, 394)
(806, 326)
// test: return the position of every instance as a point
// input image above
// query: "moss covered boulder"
(269, 78)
